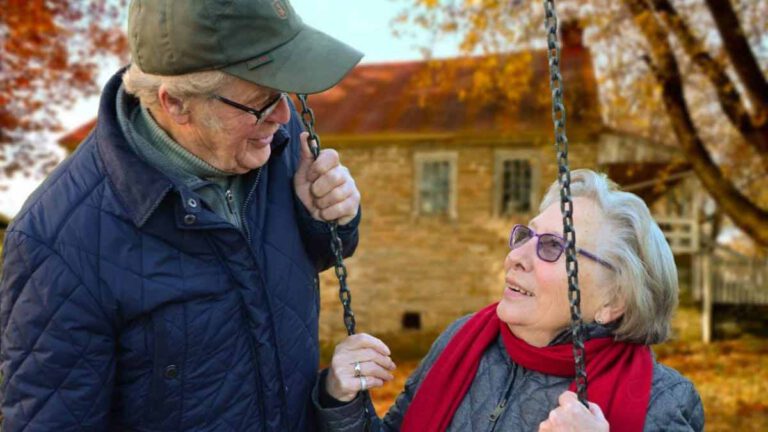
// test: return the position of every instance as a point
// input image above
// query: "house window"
(412, 321)
(435, 192)
(516, 181)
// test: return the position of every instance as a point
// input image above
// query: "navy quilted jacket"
(125, 305)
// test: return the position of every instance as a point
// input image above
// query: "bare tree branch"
(727, 93)
(741, 56)
(745, 214)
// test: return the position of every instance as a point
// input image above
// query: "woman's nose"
(521, 258)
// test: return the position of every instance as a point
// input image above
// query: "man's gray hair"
(646, 275)
(197, 84)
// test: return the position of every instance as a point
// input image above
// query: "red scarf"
(618, 374)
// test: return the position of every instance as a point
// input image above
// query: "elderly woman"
(509, 366)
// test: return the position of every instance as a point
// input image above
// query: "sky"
(365, 25)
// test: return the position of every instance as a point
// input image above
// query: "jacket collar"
(139, 186)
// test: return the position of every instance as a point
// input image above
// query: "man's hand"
(360, 362)
(572, 416)
(325, 186)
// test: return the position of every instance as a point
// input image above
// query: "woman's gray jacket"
(674, 405)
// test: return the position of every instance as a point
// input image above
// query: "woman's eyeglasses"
(260, 114)
(549, 247)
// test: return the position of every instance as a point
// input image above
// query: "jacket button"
(189, 219)
(171, 372)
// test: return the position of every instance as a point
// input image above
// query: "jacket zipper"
(502, 405)
(229, 197)
(245, 205)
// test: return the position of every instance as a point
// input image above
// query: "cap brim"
(311, 62)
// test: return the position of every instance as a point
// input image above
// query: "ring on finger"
(358, 371)
(363, 383)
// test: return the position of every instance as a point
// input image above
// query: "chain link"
(566, 204)
(308, 118)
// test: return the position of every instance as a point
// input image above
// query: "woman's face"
(535, 299)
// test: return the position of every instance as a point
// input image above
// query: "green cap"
(261, 41)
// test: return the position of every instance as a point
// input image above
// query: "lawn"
(731, 376)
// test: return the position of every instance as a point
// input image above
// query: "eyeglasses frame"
(260, 114)
(538, 236)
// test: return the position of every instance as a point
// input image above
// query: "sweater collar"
(140, 187)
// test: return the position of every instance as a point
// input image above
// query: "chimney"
(571, 35)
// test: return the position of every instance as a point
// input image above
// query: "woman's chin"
(508, 311)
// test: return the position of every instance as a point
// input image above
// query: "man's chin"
(254, 159)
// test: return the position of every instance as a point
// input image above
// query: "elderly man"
(164, 277)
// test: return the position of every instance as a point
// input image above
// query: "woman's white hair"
(184, 87)
(646, 274)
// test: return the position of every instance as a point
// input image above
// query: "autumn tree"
(692, 72)
(51, 52)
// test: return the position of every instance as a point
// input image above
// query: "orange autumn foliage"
(50, 58)
(677, 71)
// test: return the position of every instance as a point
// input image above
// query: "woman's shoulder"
(445, 337)
(674, 401)
(666, 378)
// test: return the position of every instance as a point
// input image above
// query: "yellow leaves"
(429, 4)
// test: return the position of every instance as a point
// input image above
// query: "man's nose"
(281, 113)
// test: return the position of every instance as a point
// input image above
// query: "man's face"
(229, 138)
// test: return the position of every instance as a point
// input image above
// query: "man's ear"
(173, 107)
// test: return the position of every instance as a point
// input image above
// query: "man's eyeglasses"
(549, 246)
(260, 114)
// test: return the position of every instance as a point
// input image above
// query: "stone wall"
(438, 267)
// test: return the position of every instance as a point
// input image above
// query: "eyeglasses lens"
(520, 235)
(549, 247)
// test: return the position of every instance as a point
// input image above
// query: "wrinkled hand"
(375, 366)
(325, 186)
(572, 416)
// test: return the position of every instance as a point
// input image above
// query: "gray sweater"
(674, 405)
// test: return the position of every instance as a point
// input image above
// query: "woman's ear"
(611, 311)
(173, 107)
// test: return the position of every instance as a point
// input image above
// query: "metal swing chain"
(566, 204)
(308, 118)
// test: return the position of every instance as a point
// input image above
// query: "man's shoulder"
(70, 186)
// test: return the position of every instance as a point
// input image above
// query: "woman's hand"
(360, 362)
(572, 416)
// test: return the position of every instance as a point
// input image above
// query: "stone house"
(444, 177)
(442, 183)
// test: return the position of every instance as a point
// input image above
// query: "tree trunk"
(745, 214)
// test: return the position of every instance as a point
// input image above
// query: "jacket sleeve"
(676, 406)
(351, 417)
(316, 236)
(57, 347)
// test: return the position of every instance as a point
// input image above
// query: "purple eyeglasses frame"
(561, 242)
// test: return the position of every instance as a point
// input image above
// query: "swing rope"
(566, 208)
(308, 118)
(566, 204)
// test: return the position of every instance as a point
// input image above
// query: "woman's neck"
(533, 337)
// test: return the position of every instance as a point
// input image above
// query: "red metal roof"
(391, 98)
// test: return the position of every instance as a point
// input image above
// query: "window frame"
(421, 158)
(501, 156)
